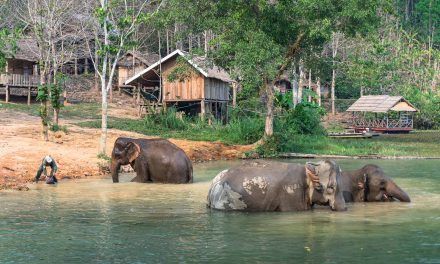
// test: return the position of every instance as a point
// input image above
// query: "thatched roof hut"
(391, 114)
(381, 104)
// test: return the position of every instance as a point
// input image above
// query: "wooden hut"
(21, 72)
(382, 113)
(132, 63)
(205, 90)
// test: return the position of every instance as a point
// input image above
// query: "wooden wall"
(196, 88)
(20, 67)
(191, 89)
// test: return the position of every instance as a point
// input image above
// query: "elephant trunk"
(115, 166)
(339, 203)
(393, 190)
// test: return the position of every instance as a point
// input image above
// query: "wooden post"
(29, 96)
(7, 82)
(234, 94)
(138, 96)
(7, 93)
(318, 90)
(86, 66)
(76, 66)
(202, 109)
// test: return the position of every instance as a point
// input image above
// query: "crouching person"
(47, 161)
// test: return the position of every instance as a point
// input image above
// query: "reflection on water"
(88, 221)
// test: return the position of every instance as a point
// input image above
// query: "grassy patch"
(81, 111)
(32, 109)
(76, 111)
(229, 134)
(420, 143)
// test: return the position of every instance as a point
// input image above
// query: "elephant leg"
(142, 172)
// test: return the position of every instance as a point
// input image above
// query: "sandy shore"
(22, 149)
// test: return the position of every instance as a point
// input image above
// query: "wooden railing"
(381, 123)
(20, 80)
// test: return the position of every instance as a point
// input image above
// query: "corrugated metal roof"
(199, 63)
(380, 104)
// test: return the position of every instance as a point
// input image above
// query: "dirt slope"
(22, 149)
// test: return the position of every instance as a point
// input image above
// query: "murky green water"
(95, 221)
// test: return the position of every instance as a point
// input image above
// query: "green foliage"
(56, 90)
(394, 65)
(168, 120)
(8, 45)
(56, 127)
(181, 72)
(104, 157)
(304, 119)
(43, 93)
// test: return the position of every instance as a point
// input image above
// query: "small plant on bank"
(104, 157)
(56, 128)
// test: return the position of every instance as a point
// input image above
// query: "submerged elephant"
(153, 160)
(370, 184)
(277, 186)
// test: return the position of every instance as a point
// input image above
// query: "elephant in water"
(153, 160)
(370, 184)
(277, 186)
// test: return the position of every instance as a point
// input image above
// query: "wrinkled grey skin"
(370, 184)
(153, 160)
(276, 186)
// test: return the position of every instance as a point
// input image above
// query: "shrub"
(169, 119)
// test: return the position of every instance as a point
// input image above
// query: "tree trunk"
(318, 90)
(168, 46)
(309, 98)
(333, 91)
(43, 113)
(335, 43)
(206, 41)
(268, 129)
(234, 94)
(301, 82)
(104, 106)
(96, 69)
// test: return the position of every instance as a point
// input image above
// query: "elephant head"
(324, 177)
(124, 152)
(377, 186)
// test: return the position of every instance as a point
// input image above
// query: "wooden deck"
(382, 125)
(19, 80)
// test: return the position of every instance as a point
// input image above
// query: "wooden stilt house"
(382, 113)
(203, 90)
(21, 73)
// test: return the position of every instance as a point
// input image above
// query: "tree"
(52, 24)
(114, 23)
(259, 40)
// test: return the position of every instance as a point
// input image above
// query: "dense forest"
(352, 47)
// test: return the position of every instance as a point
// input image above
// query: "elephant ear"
(362, 182)
(133, 150)
(311, 173)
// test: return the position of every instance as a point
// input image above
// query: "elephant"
(370, 184)
(153, 160)
(277, 186)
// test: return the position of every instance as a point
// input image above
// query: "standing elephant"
(277, 186)
(370, 184)
(153, 160)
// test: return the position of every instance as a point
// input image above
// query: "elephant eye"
(330, 189)
(319, 188)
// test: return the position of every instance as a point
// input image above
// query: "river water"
(96, 221)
